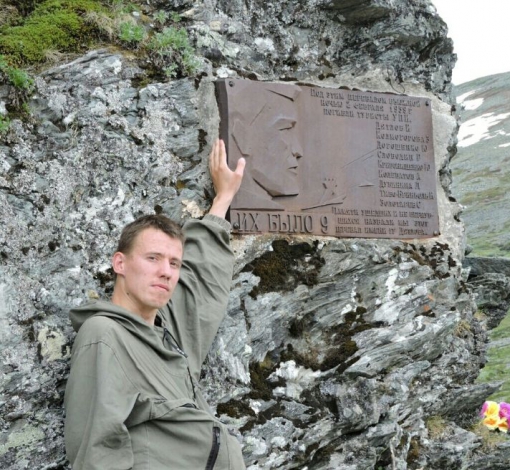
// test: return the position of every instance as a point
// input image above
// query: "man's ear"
(118, 263)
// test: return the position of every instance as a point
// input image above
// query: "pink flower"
(504, 410)
(496, 416)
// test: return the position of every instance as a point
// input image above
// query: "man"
(132, 400)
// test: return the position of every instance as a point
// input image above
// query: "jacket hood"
(130, 321)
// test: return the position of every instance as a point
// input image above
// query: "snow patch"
(473, 104)
(478, 128)
(461, 98)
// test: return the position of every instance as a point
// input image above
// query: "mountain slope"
(481, 169)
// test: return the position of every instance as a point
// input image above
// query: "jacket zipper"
(173, 343)
(213, 455)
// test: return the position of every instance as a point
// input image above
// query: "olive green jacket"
(132, 400)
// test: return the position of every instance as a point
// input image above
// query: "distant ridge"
(481, 168)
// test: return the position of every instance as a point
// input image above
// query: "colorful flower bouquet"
(496, 416)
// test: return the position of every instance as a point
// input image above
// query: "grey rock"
(492, 296)
(479, 265)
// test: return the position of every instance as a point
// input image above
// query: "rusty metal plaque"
(329, 161)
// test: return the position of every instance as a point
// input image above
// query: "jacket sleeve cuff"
(224, 224)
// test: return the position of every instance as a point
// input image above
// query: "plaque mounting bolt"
(235, 225)
(427, 103)
(231, 83)
(436, 233)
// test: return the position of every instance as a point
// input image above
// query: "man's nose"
(165, 270)
(297, 151)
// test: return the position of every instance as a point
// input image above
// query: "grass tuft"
(498, 368)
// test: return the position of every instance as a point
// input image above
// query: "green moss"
(413, 454)
(22, 7)
(297, 327)
(54, 25)
(48, 28)
(263, 417)
(436, 426)
(259, 372)
(438, 253)
(235, 409)
(285, 267)
(323, 454)
(343, 347)
(309, 361)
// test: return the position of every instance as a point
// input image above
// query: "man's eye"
(283, 124)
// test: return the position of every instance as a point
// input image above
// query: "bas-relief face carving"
(270, 143)
(277, 161)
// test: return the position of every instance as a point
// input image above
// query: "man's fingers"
(221, 149)
(218, 154)
(241, 163)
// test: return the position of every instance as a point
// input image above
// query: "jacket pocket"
(150, 407)
(215, 448)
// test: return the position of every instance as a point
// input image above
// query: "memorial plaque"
(329, 161)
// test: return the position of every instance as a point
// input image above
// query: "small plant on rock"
(21, 82)
(20, 79)
(131, 34)
(175, 17)
(171, 50)
(14, 76)
(5, 123)
(160, 17)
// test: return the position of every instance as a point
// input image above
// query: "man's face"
(149, 272)
(275, 166)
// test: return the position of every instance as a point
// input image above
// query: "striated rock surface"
(479, 265)
(335, 353)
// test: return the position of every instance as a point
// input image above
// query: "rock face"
(480, 265)
(492, 290)
(335, 353)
